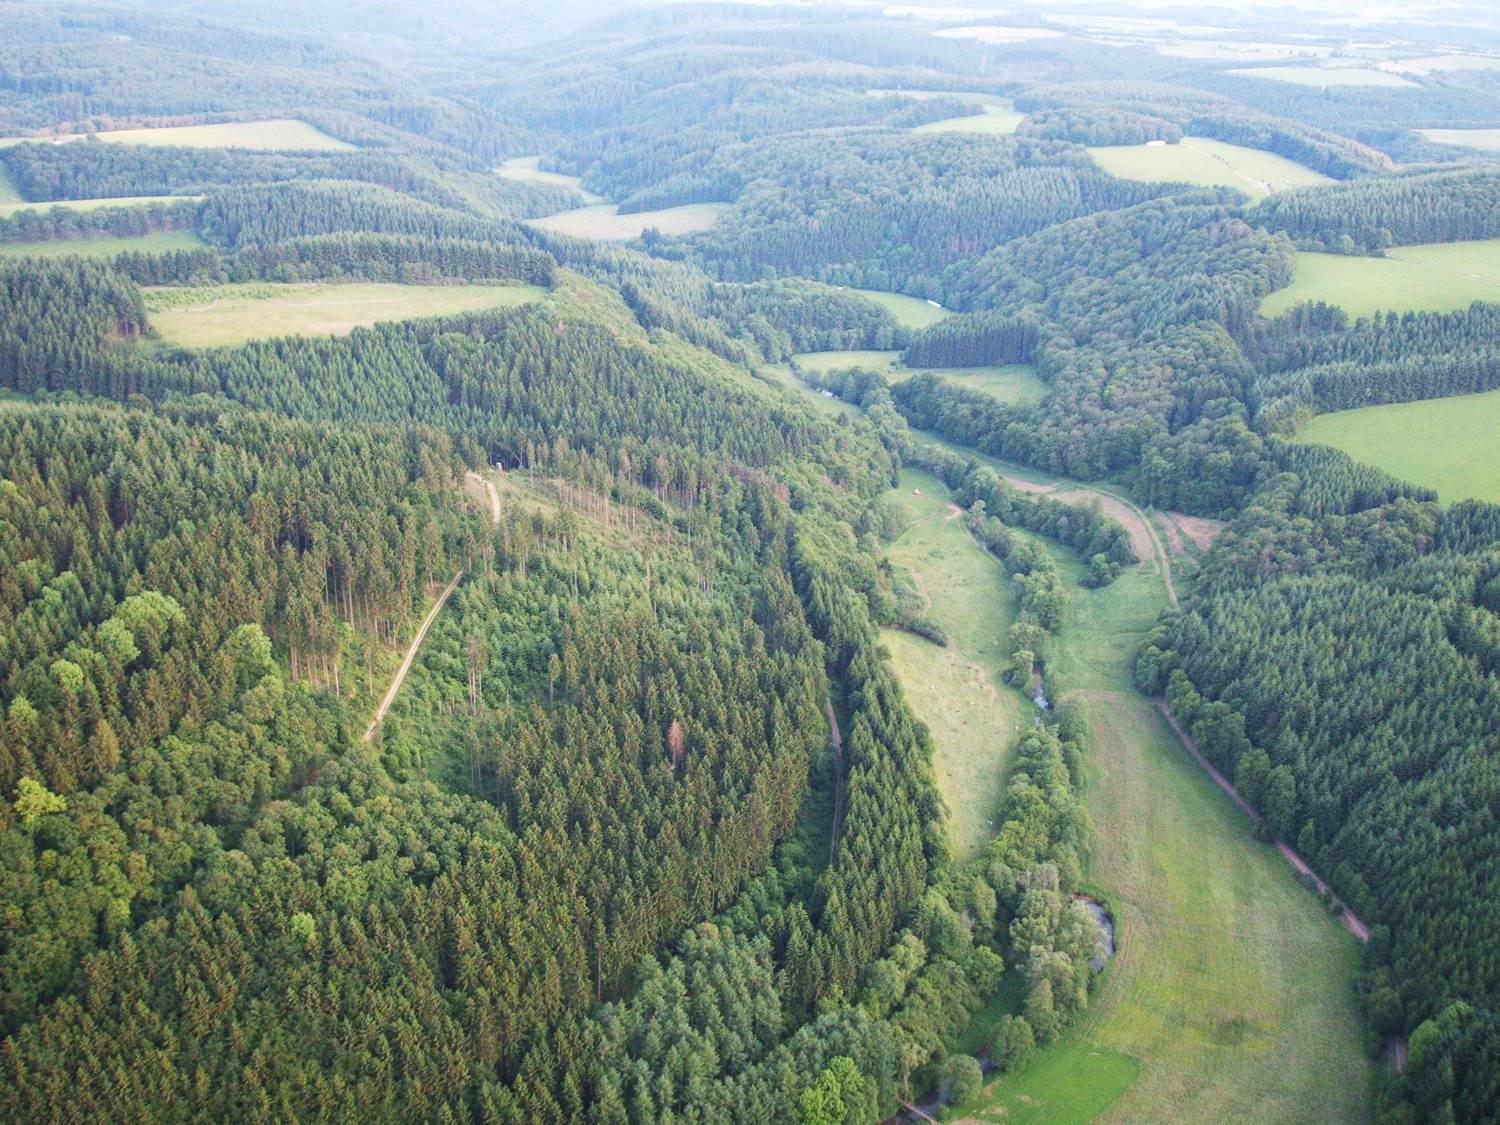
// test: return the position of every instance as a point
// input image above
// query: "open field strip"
(9, 209)
(1447, 444)
(1436, 277)
(233, 314)
(1201, 160)
(975, 719)
(1324, 76)
(993, 120)
(104, 245)
(276, 134)
(603, 221)
(524, 169)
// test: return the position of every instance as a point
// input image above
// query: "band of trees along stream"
(697, 563)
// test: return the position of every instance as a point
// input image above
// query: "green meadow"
(910, 312)
(603, 221)
(1014, 382)
(1324, 76)
(232, 314)
(1486, 139)
(992, 120)
(104, 245)
(1200, 160)
(277, 134)
(13, 208)
(975, 719)
(1447, 444)
(1438, 277)
(524, 168)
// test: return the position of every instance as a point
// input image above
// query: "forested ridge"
(651, 832)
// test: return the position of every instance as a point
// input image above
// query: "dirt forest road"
(411, 655)
(1351, 921)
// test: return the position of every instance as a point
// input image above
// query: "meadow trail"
(1350, 920)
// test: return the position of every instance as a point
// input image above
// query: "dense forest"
(651, 830)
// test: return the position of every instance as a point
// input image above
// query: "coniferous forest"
(455, 469)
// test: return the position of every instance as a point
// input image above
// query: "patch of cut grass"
(280, 134)
(1436, 277)
(104, 245)
(1071, 1083)
(1447, 444)
(1324, 76)
(524, 168)
(9, 209)
(910, 312)
(232, 314)
(975, 719)
(1486, 139)
(1015, 382)
(992, 120)
(603, 221)
(1200, 160)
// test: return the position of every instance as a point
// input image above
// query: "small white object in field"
(916, 492)
(1156, 144)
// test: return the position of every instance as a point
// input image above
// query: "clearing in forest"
(1434, 277)
(910, 312)
(276, 135)
(213, 315)
(1486, 139)
(525, 169)
(104, 245)
(1232, 988)
(975, 719)
(991, 120)
(1210, 163)
(603, 221)
(1447, 444)
(1324, 76)
(1012, 382)
(995, 34)
(9, 209)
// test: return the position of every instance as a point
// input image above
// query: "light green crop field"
(602, 221)
(1438, 277)
(103, 245)
(1486, 139)
(910, 312)
(277, 134)
(1236, 51)
(524, 168)
(975, 719)
(1199, 160)
(1447, 444)
(9, 209)
(1426, 64)
(232, 314)
(824, 362)
(1325, 76)
(1072, 1082)
(992, 120)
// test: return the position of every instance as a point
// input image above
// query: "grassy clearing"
(1213, 50)
(9, 209)
(975, 719)
(277, 134)
(1014, 382)
(1199, 160)
(602, 221)
(990, 33)
(1426, 64)
(1439, 277)
(524, 168)
(1231, 985)
(910, 312)
(1324, 77)
(104, 245)
(991, 120)
(232, 314)
(1445, 443)
(1486, 139)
